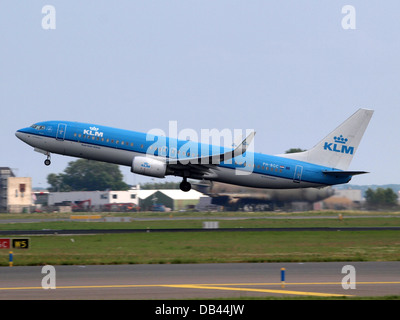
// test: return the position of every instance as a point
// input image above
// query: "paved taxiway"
(183, 281)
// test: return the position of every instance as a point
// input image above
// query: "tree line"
(381, 198)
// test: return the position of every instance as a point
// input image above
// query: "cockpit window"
(38, 127)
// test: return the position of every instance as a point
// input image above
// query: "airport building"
(15, 192)
(93, 200)
(130, 200)
(169, 199)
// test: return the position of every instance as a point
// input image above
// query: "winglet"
(244, 145)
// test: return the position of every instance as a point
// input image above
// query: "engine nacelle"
(149, 167)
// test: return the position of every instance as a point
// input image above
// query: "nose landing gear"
(47, 162)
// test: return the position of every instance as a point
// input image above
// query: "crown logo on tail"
(340, 139)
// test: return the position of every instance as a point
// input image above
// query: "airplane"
(325, 164)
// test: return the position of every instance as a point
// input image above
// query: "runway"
(187, 281)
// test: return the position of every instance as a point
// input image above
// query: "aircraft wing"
(202, 166)
(217, 158)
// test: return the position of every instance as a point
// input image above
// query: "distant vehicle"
(120, 207)
(325, 164)
(158, 208)
(80, 206)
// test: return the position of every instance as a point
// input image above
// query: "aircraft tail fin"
(337, 149)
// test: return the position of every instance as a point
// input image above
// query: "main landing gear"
(185, 186)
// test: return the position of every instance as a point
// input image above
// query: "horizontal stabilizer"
(343, 173)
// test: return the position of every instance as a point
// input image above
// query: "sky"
(290, 70)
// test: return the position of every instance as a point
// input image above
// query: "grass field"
(208, 247)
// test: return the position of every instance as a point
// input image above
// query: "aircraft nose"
(20, 135)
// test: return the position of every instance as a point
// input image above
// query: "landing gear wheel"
(185, 186)
(47, 162)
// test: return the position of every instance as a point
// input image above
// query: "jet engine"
(149, 167)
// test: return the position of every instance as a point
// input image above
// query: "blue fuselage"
(120, 146)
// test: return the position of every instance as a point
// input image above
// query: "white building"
(95, 199)
(15, 192)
